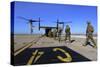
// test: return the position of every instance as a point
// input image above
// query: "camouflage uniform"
(55, 33)
(50, 34)
(59, 33)
(67, 33)
(89, 34)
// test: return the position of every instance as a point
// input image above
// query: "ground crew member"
(55, 33)
(59, 33)
(67, 33)
(89, 34)
(50, 33)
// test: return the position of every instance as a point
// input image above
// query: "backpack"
(67, 30)
(90, 29)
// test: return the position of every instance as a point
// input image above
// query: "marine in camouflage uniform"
(59, 33)
(89, 34)
(50, 33)
(67, 33)
(54, 33)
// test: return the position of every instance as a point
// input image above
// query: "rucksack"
(67, 30)
(90, 29)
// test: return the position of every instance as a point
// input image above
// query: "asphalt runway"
(46, 55)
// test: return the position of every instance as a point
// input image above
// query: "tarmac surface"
(27, 48)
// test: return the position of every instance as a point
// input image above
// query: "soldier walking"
(50, 33)
(67, 33)
(55, 33)
(59, 33)
(89, 34)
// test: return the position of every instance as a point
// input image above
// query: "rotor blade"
(68, 22)
(36, 20)
(59, 22)
(23, 18)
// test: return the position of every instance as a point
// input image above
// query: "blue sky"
(49, 13)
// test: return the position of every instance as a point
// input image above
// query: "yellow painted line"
(19, 51)
(32, 57)
(68, 56)
(29, 44)
(40, 54)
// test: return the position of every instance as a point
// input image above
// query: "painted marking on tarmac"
(68, 56)
(48, 55)
(40, 54)
(29, 44)
(35, 54)
(22, 49)
(32, 58)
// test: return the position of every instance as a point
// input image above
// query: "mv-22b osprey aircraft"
(47, 28)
